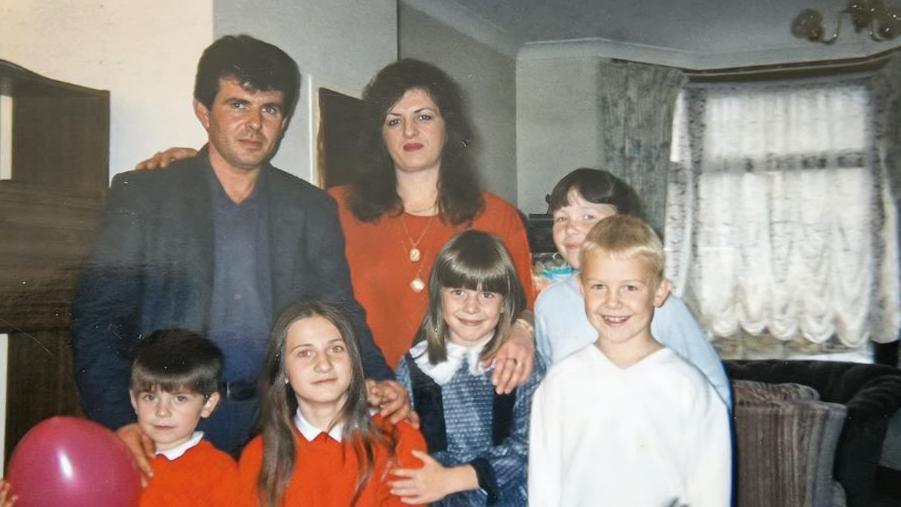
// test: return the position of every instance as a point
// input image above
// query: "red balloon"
(67, 461)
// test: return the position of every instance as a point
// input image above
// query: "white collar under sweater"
(442, 372)
(310, 431)
(173, 453)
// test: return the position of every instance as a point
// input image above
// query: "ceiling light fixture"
(881, 23)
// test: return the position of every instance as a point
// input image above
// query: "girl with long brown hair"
(319, 445)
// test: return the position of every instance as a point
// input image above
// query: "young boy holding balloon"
(175, 379)
(174, 384)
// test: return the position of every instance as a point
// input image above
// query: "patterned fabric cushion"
(872, 394)
(747, 391)
(785, 451)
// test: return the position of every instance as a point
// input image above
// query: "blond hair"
(625, 236)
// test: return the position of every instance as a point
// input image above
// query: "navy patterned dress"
(465, 422)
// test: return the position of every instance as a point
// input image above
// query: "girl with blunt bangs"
(477, 439)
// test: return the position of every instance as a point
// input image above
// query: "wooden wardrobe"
(50, 201)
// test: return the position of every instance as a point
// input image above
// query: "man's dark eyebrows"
(280, 104)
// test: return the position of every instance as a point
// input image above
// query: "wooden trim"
(794, 70)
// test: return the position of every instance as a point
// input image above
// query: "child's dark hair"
(596, 186)
(473, 260)
(170, 359)
(279, 405)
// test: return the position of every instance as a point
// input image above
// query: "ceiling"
(708, 33)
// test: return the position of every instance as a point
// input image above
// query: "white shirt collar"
(173, 453)
(310, 432)
(442, 372)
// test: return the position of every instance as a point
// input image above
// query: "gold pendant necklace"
(417, 284)
(415, 254)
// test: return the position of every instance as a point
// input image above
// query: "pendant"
(417, 284)
(415, 254)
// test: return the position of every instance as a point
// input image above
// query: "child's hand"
(7, 499)
(390, 398)
(141, 447)
(432, 482)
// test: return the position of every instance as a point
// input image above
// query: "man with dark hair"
(248, 61)
(218, 243)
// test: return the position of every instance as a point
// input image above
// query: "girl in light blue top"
(579, 200)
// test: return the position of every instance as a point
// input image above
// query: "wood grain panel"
(43, 384)
(48, 216)
(45, 238)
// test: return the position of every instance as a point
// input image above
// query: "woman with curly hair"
(418, 190)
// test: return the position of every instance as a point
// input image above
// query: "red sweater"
(381, 270)
(202, 476)
(325, 470)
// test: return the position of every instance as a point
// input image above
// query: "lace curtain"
(779, 216)
(886, 90)
(636, 104)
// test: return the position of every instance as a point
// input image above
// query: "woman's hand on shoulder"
(391, 400)
(165, 157)
(515, 359)
(141, 447)
(432, 482)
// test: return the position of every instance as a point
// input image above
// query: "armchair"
(871, 395)
(785, 444)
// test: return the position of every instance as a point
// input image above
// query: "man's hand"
(514, 360)
(141, 447)
(166, 157)
(432, 482)
(390, 398)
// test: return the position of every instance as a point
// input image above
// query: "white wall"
(338, 44)
(488, 78)
(144, 52)
(556, 123)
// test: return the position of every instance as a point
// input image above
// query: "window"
(777, 222)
